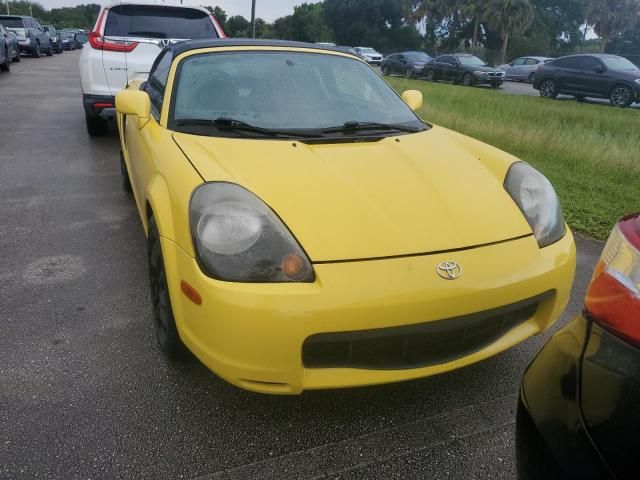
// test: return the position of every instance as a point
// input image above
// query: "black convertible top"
(189, 45)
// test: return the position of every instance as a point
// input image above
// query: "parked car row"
(23, 34)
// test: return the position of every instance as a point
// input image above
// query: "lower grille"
(418, 345)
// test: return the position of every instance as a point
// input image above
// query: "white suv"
(123, 45)
(369, 55)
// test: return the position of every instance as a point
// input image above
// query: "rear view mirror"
(81, 38)
(413, 98)
(134, 102)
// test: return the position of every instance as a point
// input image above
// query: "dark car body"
(9, 50)
(66, 40)
(409, 64)
(463, 68)
(55, 40)
(72, 33)
(579, 407)
(32, 38)
(590, 75)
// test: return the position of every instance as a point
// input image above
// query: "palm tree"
(475, 10)
(610, 18)
(508, 17)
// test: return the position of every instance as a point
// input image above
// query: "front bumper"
(482, 79)
(551, 399)
(252, 334)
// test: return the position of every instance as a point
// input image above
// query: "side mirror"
(413, 98)
(81, 38)
(134, 102)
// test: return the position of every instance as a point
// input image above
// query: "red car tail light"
(97, 40)
(613, 296)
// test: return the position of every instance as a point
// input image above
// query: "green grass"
(591, 153)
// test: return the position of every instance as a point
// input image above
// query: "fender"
(158, 201)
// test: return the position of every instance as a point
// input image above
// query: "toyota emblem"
(449, 270)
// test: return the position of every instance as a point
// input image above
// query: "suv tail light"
(97, 40)
(613, 297)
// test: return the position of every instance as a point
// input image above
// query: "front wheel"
(548, 89)
(621, 96)
(163, 319)
(430, 76)
(50, 51)
(467, 80)
(385, 71)
(532, 77)
(408, 74)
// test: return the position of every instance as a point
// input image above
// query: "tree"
(508, 17)
(219, 14)
(611, 18)
(238, 26)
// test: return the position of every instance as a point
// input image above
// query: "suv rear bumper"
(99, 106)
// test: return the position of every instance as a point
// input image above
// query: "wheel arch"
(158, 204)
(621, 83)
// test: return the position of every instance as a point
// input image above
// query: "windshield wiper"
(363, 126)
(231, 124)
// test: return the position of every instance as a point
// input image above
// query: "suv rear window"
(158, 22)
(11, 22)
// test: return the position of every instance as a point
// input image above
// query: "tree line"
(495, 29)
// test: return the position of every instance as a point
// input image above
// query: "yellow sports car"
(307, 230)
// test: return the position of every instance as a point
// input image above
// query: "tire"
(467, 80)
(163, 319)
(408, 74)
(532, 77)
(17, 57)
(6, 66)
(50, 51)
(548, 89)
(621, 96)
(430, 76)
(126, 181)
(96, 127)
(385, 71)
(36, 53)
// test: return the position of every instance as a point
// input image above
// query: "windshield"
(286, 90)
(417, 57)
(368, 50)
(618, 63)
(471, 60)
(11, 22)
(158, 22)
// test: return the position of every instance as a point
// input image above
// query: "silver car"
(8, 49)
(523, 68)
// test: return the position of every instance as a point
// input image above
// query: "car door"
(139, 141)
(569, 73)
(595, 78)
(516, 69)
(530, 66)
(455, 72)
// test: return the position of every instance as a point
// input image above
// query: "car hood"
(413, 194)
(481, 69)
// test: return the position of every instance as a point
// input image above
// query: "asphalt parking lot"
(85, 392)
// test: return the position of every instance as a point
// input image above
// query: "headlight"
(240, 239)
(637, 80)
(538, 201)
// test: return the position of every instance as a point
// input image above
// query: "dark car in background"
(66, 40)
(9, 50)
(590, 75)
(409, 64)
(579, 409)
(72, 33)
(463, 68)
(32, 38)
(55, 40)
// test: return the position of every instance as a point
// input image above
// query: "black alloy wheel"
(548, 89)
(467, 80)
(163, 319)
(621, 96)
